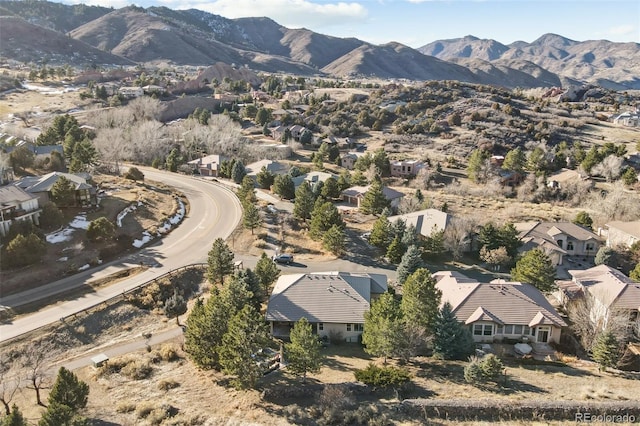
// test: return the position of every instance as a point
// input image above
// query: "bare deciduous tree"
(457, 235)
(588, 323)
(144, 108)
(610, 168)
(35, 362)
(9, 383)
(113, 146)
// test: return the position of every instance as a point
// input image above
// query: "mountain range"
(79, 34)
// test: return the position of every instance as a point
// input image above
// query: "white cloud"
(623, 30)
(290, 13)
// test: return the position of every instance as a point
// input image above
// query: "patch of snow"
(80, 222)
(63, 259)
(84, 267)
(60, 236)
(125, 212)
(173, 220)
(146, 237)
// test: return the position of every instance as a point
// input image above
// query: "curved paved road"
(214, 212)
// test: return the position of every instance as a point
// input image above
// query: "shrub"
(335, 396)
(144, 409)
(137, 370)
(134, 174)
(169, 353)
(383, 377)
(166, 385)
(480, 370)
(126, 407)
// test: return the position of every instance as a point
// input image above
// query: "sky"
(418, 22)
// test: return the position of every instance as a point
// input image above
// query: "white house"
(17, 204)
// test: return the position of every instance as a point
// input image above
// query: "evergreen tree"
(605, 256)
(267, 272)
(22, 251)
(434, 244)
(252, 284)
(101, 229)
(398, 228)
(173, 160)
(583, 219)
(324, 216)
(263, 116)
(84, 155)
(175, 306)
(246, 335)
(410, 262)
(374, 200)
(333, 240)
(420, 300)
(381, 160)
(605, 351)
(59, 415)
(238, 172)
(395, 251)
(330, 189)
(303, 353)
(63, 193)
(303, 204)
(381, 232)
(220, 261)
(197, 336)
(476, 163)
(247, 192)
(535, 268)
(635, 273)
(284, 187)
(15, 418)
(629, 176)
(508, 237)
(265, 178)
(451, 340)
(515, 160)
(70, 391)
(344, 180)
(410, 237)
(383, 327)
(251, 218)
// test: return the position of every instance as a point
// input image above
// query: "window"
(569, 245)
(589, 247)
(348, 327)
(508, 329)
(488, 330)
(499, 329)
(517, 329)
(526, 330)
(560, 243)
(477, 330)
(482, 330)
(320, 326)
(358, 327)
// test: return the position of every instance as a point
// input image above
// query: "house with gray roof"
(333, 302)
(558, 239)
(612, 292)
(17, 204)
(500, 309)
(40, 186)
(209, 165)
(425, 222)
(274, 167)
(624, 234)
(312, 178)
(355, 194)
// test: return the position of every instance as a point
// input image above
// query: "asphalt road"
(214, 212)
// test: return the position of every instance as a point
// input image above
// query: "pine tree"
(374, 200)
(284, 187)
(383, 327)
(238, 172)
(246, 335)
(330, 189)
(476, 163)
(604, 256)
(381, 232)
(605, 351)
(58, 415)
(265, 178)
(252, 284)
(420, 300)
(535, 268)
(175, 306)
(410, 262)
(450, 339)
(247, 191)
(267, 272)
(303, 353)
(583, 219)
(515, 160)
(251, 218)
(63, 193)
(172, 160)
(70, 391)
(324, 216)
(220, 261)
(196, 342)
(635, 273)
(303, 204)
(395, 251)
(15, 418)
(333, 240)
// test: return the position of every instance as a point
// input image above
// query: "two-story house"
(17, 204)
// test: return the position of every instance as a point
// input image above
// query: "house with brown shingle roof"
(557, 239)
(611, 292)
(623, 234)
(499, 309)
(333, 302)
(355, 195)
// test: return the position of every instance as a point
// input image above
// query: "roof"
(213, 159)
(564, 175)
(425, 220)
(631, 228)
(272, 166)
(541, 234)
(359, 191)
(331, 297)
(498, 301)
(35, 184)
(610, 286)
(13, 194)
(313, 177)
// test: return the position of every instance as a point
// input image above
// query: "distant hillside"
(159, 35)
(23, 41)
(609, 64)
